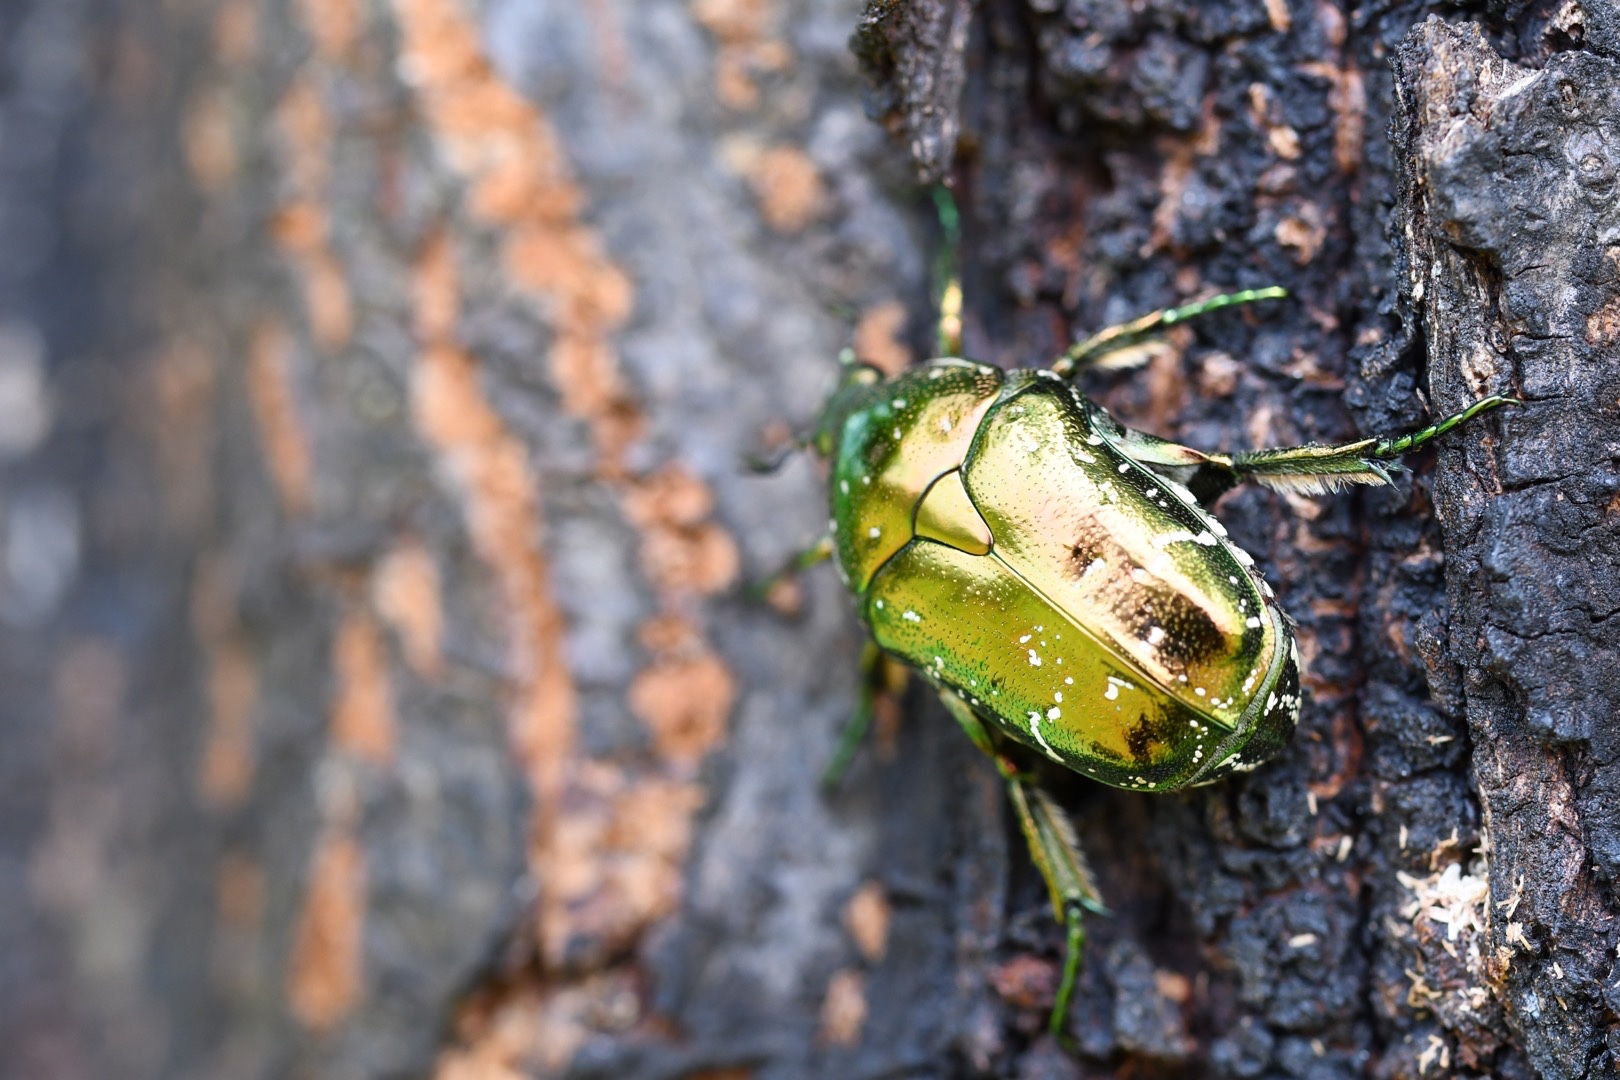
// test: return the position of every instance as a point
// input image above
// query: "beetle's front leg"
(879, 675)
(814, 555)
(1053, 846)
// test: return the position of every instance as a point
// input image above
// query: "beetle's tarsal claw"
(1074, 941)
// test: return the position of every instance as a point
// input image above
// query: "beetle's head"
(853, 392)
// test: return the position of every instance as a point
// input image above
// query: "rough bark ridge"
(1515, 248)
(373, 383)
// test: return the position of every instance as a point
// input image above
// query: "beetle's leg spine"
(1115, 338)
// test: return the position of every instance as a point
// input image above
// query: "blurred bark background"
(379, 692)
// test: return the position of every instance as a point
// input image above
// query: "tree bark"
(382, 693)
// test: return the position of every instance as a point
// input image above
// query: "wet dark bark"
(379, 694)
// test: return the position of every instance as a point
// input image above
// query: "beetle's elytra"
(1000, 540)
(1059, 578)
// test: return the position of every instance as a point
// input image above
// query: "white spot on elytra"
(1034, 659)
(1253, 623)
(1068, 680)
(1035, 730)
(843, 485)
(874, 532)
(1155, 635)
(880, 605)
(1053, 713)
(1024, 640)
(911, 616)
(1057, 696)
(899, 403)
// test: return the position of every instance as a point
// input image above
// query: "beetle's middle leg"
(1053, 846)
(879, 676)
(1116, 346)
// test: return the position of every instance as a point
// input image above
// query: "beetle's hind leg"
(1117, 346)
(1053, 846)
(1312, 470)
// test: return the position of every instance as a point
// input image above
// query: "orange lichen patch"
(182, 383)
(281, 431)
(1283, 139)
(614, 860)
(1277, 14)
(536, 1032)
(670, 497)
(609, 845)
(236, 33)
(228, 748)
(702, 558)
(681, 550)
(1603, 324)
(323, 981)
(1026, 982)
(509, 156)
(300, 230)
(209, 142)
(1347, 97)
(1178, 170)
(1304, 232)
(878, 337)
(305, 131)
(226, 772)
(1173, 985)
(363, 709)
(333, 25)
(843, 1010)
(435, 295)
(405, 592)
(684, 703)
(789, 188)
(305, 135)
(239, 892)
(742, 30)
(491, 466)
(866, 917)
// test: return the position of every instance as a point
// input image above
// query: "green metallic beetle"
(1057, 577)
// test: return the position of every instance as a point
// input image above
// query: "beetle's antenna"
(947, 275)
(1116, 339)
